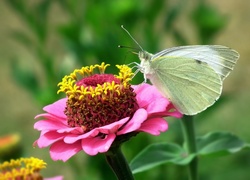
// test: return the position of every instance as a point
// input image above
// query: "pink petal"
(174, 113)
(49, 138)
(57, 108)
(54, 178)
(108, 129)
(139, 117)
(53, 119)
(73, 130)
(48, 125)
(72, 138)
(154, 126)
(61, 151)
(92, 146)
(113, 127)
(50, 117)
(146, 89)
(146, 93)
(151, 99)
(158, 105)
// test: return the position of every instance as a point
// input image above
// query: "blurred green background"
(43, 40)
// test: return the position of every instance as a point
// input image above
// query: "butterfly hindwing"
(191, 85)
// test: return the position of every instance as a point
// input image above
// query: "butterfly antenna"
(131, 37)
(127, 47)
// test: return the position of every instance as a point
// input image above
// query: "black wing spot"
(198, 61)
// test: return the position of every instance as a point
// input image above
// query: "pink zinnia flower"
(98, 109)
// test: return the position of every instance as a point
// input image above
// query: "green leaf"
(157, 154)
(217, 143)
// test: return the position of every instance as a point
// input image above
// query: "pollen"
(95, 98)
(23, 168)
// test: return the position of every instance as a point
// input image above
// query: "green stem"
(190, 140)
(118, 163)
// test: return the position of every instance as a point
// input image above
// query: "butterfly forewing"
(222, 59)
(190, 84)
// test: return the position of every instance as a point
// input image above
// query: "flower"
(98, 108)
(24, 168)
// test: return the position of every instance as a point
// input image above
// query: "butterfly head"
(144, 56)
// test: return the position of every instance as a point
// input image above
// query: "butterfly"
(191, 77)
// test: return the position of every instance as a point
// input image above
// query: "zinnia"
(98, 109)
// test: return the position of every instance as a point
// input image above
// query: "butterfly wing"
(191, 85)
(222, 59)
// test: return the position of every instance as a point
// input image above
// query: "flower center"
(100, 99)
(96, 79)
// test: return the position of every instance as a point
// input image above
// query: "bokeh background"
(43, 40)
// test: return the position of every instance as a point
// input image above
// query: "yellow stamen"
(68, 83)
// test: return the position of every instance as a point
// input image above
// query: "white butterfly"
(190, 77)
